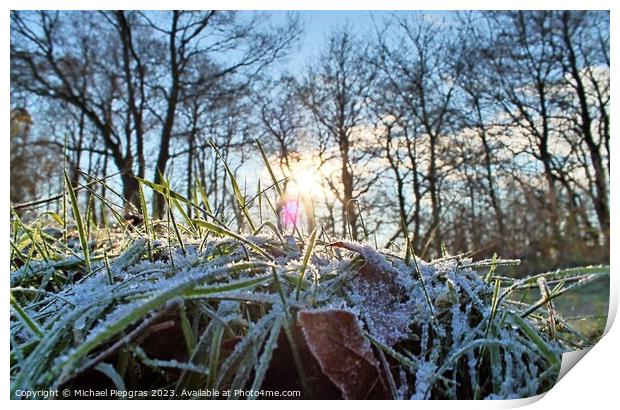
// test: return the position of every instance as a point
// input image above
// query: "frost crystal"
(431, 319)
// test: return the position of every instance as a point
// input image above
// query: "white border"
(592, 383)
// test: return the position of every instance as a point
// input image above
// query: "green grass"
(188, 303)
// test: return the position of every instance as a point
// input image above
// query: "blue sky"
(318, 25)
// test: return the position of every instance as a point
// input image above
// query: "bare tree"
(281, 118)
(54, 56)
(420, 65)
(245, 47)
(130, 85)
(582, 56)
(336, 92)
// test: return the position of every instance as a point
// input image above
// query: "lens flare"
(305, 185)
(290, 212)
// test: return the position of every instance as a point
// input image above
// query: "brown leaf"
(377, 269)
(337, 341)
(376, 290)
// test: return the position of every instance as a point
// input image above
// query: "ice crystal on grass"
(387, 319)
(424, 374)
(433, 320)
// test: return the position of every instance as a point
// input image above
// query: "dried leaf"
(337, 341)
(382, 299)
(377, 269)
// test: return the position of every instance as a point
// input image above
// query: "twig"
(59, 196)
(546, 296)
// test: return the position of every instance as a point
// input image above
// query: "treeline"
(484, 132)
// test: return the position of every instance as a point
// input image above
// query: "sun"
(307, 182)
(305, 177)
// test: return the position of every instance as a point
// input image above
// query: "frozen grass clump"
(183, 305)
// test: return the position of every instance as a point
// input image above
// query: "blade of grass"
(269, 169)
(186, 328)
(214, 355)
(106, 262)
(223, 231)
(78, 221)
(492, 268)
(265, 359)
(166, 191)
(112, 374)
(66, 366)
(145, 212)
(426, 296)
(404, 361)
(31, 236)
(288, 324)
(260, 202)
(148, 229)
(235, 186)
(25, 318)
(89, 214)
(536, 339)
(256, 332)
(304, 265)
(203, 196)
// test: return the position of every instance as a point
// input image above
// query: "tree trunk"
(600, 201)
(166, 133)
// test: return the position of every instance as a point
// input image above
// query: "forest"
(485, 132)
